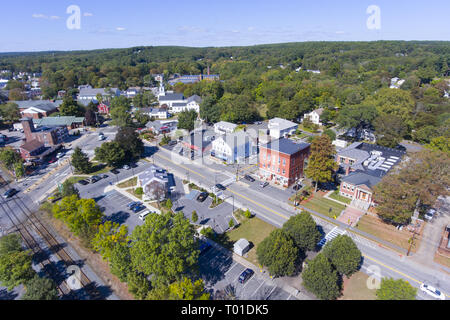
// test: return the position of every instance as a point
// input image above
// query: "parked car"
(249, 178)
(263, 184)
(126, 167)
(247, 274)
(83, 182)
(430, 214)
(131, 205)
(220, 187)
(10, 193)
(101, 138)
(202, 196)
(94, 179)
(133, 165)
(115, 171)
(297, 187)
(53, 160)
(173, 143)
(138, 208)
(432, 291)
(105, 176)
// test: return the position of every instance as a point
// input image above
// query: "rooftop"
(361, 178)
(32, 145)
(286, 146)
(45, 105)
(57, 121)
(171, 97)
(281, 124)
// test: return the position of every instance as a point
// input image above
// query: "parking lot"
(115, 209)
(217, 218)
(218, 271)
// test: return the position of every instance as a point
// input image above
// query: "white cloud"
(120, 29)
(88, 14)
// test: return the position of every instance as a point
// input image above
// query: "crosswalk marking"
(331, 235)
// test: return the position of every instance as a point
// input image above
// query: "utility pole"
(411, 242)
(237, 173)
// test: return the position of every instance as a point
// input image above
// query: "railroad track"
(53, 245)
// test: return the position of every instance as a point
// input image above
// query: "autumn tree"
(419, 182)
(391, 289)
(321, 164)
(110, 234)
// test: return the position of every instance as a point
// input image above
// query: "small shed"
(241, 247)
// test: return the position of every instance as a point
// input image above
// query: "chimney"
(28, 128)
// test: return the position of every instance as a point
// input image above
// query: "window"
(279, 160)
(351, 162)
(341, 160)
(284, 162)
(284, 171)
(278, 170)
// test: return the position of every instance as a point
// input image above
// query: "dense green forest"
(262, 82)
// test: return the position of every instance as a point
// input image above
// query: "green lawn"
(100, 169)
(254, 230)
(75, 179)
(322, 205)
(336, 196)
(129, 183)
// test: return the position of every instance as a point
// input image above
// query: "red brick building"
(103, 108)
(31, 149)
(282, 161)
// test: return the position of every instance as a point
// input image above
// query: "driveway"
(432, 233)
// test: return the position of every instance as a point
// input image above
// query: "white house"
(233, 147)
(281, 127)
(155, 183)
(88, 94)
(314, 116)
(224, 127)
(396, 83)
(177, 103)
(155, 112)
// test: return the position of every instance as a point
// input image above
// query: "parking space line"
(289, 297)
(235, 264)
(256, 291)
(274, 287)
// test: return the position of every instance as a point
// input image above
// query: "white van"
(144, 214)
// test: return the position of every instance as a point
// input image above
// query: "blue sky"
(41, 25)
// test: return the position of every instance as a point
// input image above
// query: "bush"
(208, 232)
(247, 214)
(139, 191)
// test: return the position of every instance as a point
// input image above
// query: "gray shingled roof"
(360, 178)
(195, 98)
(286, 146)
(172, 97)
(45, 105)
(57, 121)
